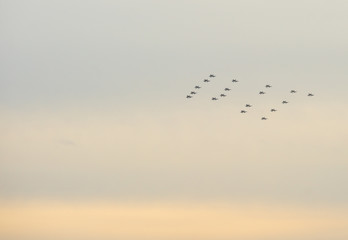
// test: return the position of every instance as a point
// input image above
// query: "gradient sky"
(93, 108)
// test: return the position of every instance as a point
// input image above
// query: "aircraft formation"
(227, 89)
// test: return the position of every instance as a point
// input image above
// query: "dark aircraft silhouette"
(214, 99)
(261, 92)
(293, 91)
(263, 118)
(188, 96)
(310, 95)
(243, 111)
(193, 93)
(273, 110)
(206, 80)
(234, 80)
(268, 86)
(222, 95)
(284, 102)
(211, 75)
(248, 105)
(227, 89)
(197, 87)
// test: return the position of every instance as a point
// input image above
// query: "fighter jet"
(193, 93)
(264, 118)
(188, 96)
(222, 95)
(268, 86)
(293, 91)
(243, 111)
(234, 80)
(284, 102)
(310, 95)
(211, 75)
(273, 110)
(206, 80)
(261, 92)
(227, 89)
(248, 105)
(197, 87)
(214, 99)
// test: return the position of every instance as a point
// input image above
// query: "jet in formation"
(246, 105)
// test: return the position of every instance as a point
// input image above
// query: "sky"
(96, 126)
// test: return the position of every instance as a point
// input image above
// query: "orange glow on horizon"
(42, 220)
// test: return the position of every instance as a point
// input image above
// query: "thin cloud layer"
(194, 153)
(93, 108)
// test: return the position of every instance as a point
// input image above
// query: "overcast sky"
(92, 101)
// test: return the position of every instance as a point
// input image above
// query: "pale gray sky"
(99, 142)
(92, 99)
(102, 52)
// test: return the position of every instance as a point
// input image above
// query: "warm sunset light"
(173, 120)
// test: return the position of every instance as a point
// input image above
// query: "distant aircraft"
(197, 87)
(234, 80)
(293, 91)
(284, 102)
(248, 105)
(227, 89)
(193, 93)
(206, 80)
(243, 111)
(214, 99)
(188, 96)
(261, 92)
(273, 110)
(211, 75)
(268, 86)
(222, 95)
(263, 118)
(310, 95)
